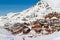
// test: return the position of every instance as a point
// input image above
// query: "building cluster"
(50, 24)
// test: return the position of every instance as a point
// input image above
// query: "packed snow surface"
(4, 36)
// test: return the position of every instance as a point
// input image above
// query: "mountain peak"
(54, 4)
(33, 13)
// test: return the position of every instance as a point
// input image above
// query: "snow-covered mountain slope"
(31, 14)
(54, 4)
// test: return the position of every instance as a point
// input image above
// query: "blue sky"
(7, 6)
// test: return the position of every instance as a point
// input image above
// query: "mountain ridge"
(31, 14)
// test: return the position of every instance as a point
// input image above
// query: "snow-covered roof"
(54, 18)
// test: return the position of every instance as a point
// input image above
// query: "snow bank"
(54, 36)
